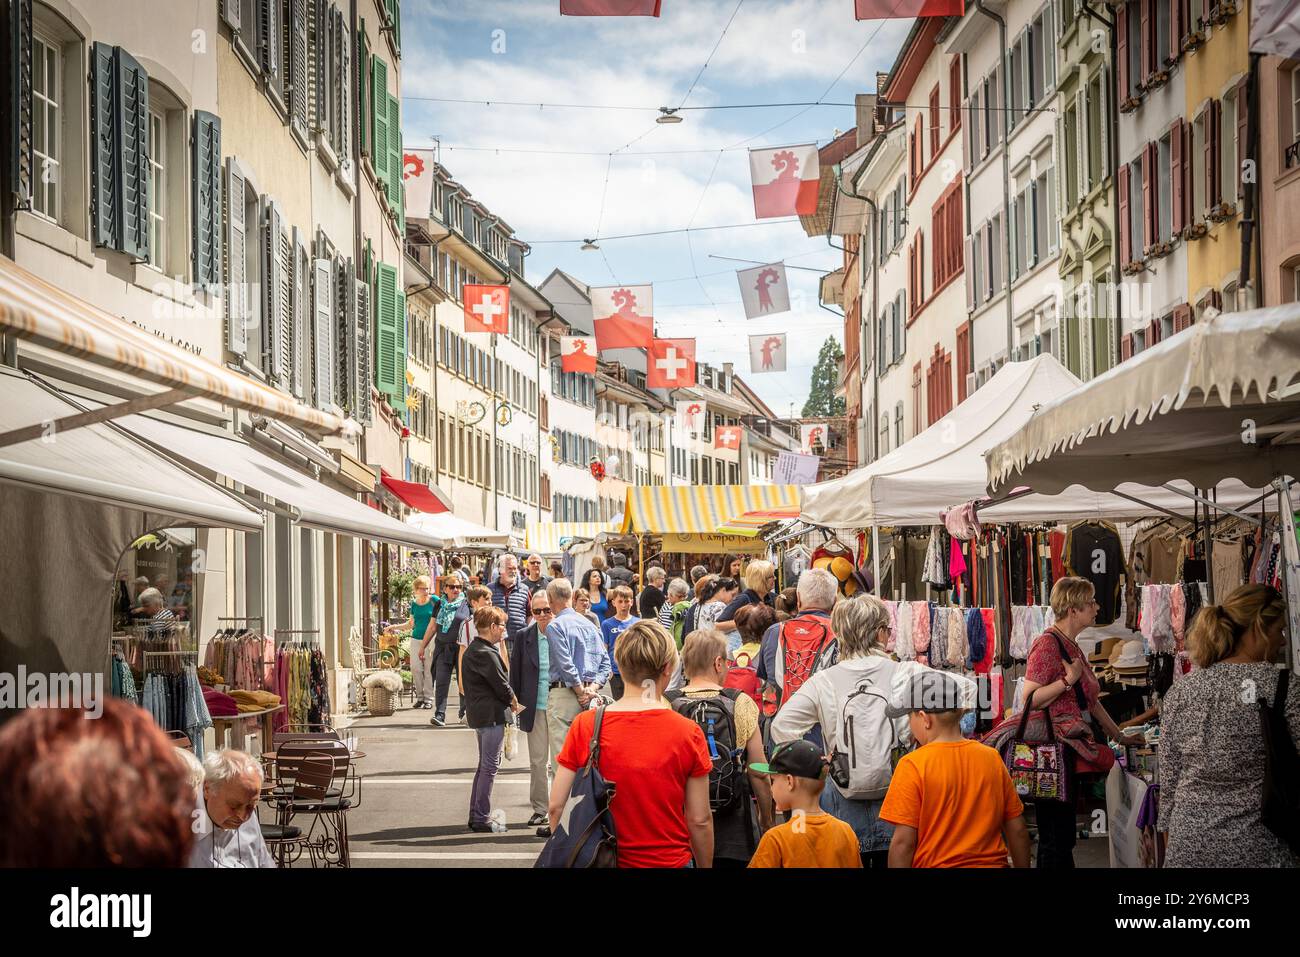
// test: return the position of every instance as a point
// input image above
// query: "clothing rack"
(192, 655)
(315, 643)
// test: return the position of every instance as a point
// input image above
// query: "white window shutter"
(230, 13)
(299, 81)
(345, 342)
(301, 313)
(365, 359)
(236, 261)
(273, 319)
(1103, 114)
(343, 94)
(286, 341)
(1082, 131)
(323, 331)
(971, 273)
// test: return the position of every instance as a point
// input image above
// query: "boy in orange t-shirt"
(811, 838)
(951, 801)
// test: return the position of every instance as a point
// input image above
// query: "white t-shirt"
(467, 633)
(219, 847)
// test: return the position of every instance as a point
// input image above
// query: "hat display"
(1102, 654)
(932, 690)
(1130, 657)
(801, 758)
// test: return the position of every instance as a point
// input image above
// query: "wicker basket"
(380, 701)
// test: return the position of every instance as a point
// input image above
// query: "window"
(934, 122)
(1289, 87)
(47, 83)
(1070, 140)
(898, 424)
(1095, 100)
(884, 435)
(954, 94)
(963, 360)
(1164, 198)
(948, 232)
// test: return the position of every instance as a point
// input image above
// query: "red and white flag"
(417, 178)
(609, 8)
(623, 316)
(896, 9)
(670, 364)
(690, 415)
(578, 354)
(487, 308)
(764, 290)
(813, 436)
(767, 353)
(726, 437)
(785, 180)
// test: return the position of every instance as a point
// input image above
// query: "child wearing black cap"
(811, 838)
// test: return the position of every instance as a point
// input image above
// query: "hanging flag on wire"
(726, 437)
(764, 290)
(899, 9)
(578, 354)
(417, 180)
(785, 180)
(813, 435)
(609, 8)
(670, 364)
(623, 316)
(767, 353)
(690, 415)
(487, 308)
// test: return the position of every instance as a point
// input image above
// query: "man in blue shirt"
(620, 596)
(530, 676)
(511, 595)
(579, 663)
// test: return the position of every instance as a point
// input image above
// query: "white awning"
(103, 463)
(459, 533)
(318, 506)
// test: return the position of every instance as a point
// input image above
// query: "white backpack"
(867, 746)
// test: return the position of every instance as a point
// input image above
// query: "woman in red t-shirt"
(657, 760)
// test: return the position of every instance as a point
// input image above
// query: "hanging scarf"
(447, 612)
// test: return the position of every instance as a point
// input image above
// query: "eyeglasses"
(542, 611)
(447, 587)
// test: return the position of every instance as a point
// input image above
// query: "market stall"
(459, 534)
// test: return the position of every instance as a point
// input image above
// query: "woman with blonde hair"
(658, 759)
(433, 616)
(759, 579)
(1211, 750)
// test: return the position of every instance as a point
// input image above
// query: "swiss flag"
(893, 9)
(487, 308)
(578, 354)
(670, 364)
(726, 437)
(609, 8)
(785, 180)
(623, 316)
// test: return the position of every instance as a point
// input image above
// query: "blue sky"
(522, 50)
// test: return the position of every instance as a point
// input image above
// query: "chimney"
(727, 367)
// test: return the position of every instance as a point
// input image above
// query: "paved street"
(415, 797)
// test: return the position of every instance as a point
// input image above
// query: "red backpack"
(803, 645)
(743, 677)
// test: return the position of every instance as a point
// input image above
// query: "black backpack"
(1281, 810)
(716, 717)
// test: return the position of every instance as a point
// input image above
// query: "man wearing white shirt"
(226, 829)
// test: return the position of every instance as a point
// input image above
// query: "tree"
(822, 400)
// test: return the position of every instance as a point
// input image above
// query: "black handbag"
(1281, 810)
(585, 836)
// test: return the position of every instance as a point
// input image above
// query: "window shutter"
(23, 157)
(1148, 28)
(1242, 110)
(1126, 347)
(205, 198)
(343, 91)
(1182, 317)
(323, 331)
(1148, 202)
(363, 90)
(1176, 183)
(379, 110)
(236, 261)
(1176, 28)
(396, 6)
(133, 148)
(1121, 50)
(270, 223)
(364, 353)
(386, 329)
(1080, 149)
(1125, 232)
(299, 82)
(394, 153)
(318, 64)
(400, 320)
(970, 274)
(270, 30)
(106, 195)
(230, 13)
(1213, 179)
(345, 334)
(301, 310)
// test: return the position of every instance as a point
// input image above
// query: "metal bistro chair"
(316, 779)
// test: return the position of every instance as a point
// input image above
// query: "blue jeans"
(863, 816)
(490, 741)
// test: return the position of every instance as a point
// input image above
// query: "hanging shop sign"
(697, 544)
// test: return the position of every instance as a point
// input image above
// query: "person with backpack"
(793, 649)
(751, 622)
(848, 700)
(729, 720)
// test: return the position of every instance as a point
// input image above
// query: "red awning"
(422, 498)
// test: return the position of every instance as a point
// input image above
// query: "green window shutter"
(20, 162)
(400, 316)
(397, 24)
(379, 112)
(205, 198)
(363, 89)
(105, 189)
(394, 152)
(133, 82)
(386, 329)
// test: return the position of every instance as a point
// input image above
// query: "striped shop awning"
(699, 509)
(39, 312)
(545, 537)
(750, 524)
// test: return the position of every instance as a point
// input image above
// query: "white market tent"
(458, 532)
(944, 466)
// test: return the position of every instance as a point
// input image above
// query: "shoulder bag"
(1100, 759)
(1037, 768)
(1281, 810)
(585, 836)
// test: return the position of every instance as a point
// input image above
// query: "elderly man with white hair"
(811, 625)
(226, 829)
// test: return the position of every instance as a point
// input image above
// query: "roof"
(912, 56)
(827, 157)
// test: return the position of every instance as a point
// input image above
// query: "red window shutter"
(1126, 347)
(1213, 174)
(934, 122)
(963, 360)
(1148, 198)
(1216, 299)
(920, 266)
(1153, 332)
(1125, 253)
(954, 93)
(946, 383)
(911, 156)
(1176, 177)
(1182, 317)
(1121, 51)
(1242, 108)
(1175, 28)
(1148, 27)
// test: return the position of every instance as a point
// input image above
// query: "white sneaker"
(497, 827)
(498, 816)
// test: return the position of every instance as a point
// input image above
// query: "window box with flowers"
(1129, 104)
(1221, 12)
(1194, 40)
(1195, 230)
(1157, 79)
(1159, 249)
(1221, 212)
(1135, 266)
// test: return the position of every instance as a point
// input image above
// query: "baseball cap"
(932, 690)
(801, 758)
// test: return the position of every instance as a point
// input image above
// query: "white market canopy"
(944, 466)
(459, 532)
(1213, 402)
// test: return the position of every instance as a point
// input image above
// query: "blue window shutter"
(105, 188)
(133, 83)
(23, 157)
(205, 198)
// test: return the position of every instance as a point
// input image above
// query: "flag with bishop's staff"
(670, 364)
(623, 316)
(578, 354)
(767, 353)
(785, 180)
(764, 290)
(690, 415)
(906, 9)
(487, 308)
(609, 8)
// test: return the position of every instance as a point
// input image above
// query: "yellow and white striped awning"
(699, 509)
(545, 537)
(41, 312)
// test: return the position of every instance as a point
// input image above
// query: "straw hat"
(1104, 648)
(1129, 657)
